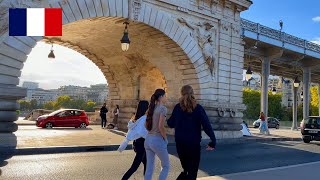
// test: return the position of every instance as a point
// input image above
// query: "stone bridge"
(173, 43)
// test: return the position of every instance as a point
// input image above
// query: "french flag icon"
(35, 22)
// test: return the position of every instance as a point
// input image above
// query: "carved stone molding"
(205, 33)
(135, 9)
(225, 26)
(235, 29)
(232, 112)
(221, 112)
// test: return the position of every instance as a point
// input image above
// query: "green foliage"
(314, 96)
(251, 98)
(49, 105)
(62, 102)
(90, 106)
(24, 105)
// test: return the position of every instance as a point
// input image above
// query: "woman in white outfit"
(137, 132)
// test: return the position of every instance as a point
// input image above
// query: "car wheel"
(277, 126)
(306, 140)
(49, 125)
(83, 125)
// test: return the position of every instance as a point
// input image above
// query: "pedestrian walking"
(116, 116)
(156, 141)
(103, 115)
(263, 124)
(187, 118)
(137, 132)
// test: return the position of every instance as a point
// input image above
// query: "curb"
(79, 149)
(63, 149)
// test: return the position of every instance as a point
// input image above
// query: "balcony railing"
(278, 35)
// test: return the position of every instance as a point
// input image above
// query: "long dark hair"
(142, 109)
(187, 101)
(154, 98)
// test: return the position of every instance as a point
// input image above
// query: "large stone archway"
(183, 55)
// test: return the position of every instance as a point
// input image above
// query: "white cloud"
(68, 68)
(316, 19)
(316, 40)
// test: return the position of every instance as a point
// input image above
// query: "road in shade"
(111, 165)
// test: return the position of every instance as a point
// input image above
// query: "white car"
(272, 123)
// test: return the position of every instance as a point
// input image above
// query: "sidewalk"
(30, 139)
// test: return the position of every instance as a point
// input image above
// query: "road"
(226, 159)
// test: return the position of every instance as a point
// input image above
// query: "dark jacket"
(188, 125)
(103, 111)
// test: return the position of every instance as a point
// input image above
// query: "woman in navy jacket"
(187, 119)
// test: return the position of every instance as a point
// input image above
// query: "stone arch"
(198, 76)
(176, 39)
(105, 69)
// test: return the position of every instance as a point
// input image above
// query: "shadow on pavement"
(8, 143)
(253, 157)
(234, 158)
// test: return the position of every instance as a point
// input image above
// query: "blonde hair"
(187, 101)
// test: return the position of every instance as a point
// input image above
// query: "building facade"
(97, 93)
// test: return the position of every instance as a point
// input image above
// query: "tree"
(90, 106)
(63, 102)
(314, 96)
(49, 105)
(252, 99)
(33, 104)
(24, 105)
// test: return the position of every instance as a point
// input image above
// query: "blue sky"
(299, 16)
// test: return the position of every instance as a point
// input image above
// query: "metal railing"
(278, 35)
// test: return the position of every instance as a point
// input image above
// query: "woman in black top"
(103, 115)
(138, 145)
(187, 118)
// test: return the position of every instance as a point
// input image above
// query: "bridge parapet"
(259, 29)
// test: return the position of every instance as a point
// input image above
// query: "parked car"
(310, 129)
(64, 118)
(272, 123)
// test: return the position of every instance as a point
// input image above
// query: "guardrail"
(278, 35)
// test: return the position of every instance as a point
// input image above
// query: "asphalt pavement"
(227, 159)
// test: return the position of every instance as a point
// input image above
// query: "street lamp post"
(281, 25)
(51, 54)
(296, 82)
(248, 73)
(125, 41)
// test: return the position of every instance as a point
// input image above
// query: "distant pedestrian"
(137, 132)
(263, 124)
(156, 140)
(187, 118)
(103, 115)
(116, 112)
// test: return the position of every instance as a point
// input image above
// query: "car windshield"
(55, 112)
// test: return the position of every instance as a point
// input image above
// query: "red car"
(64, 118)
